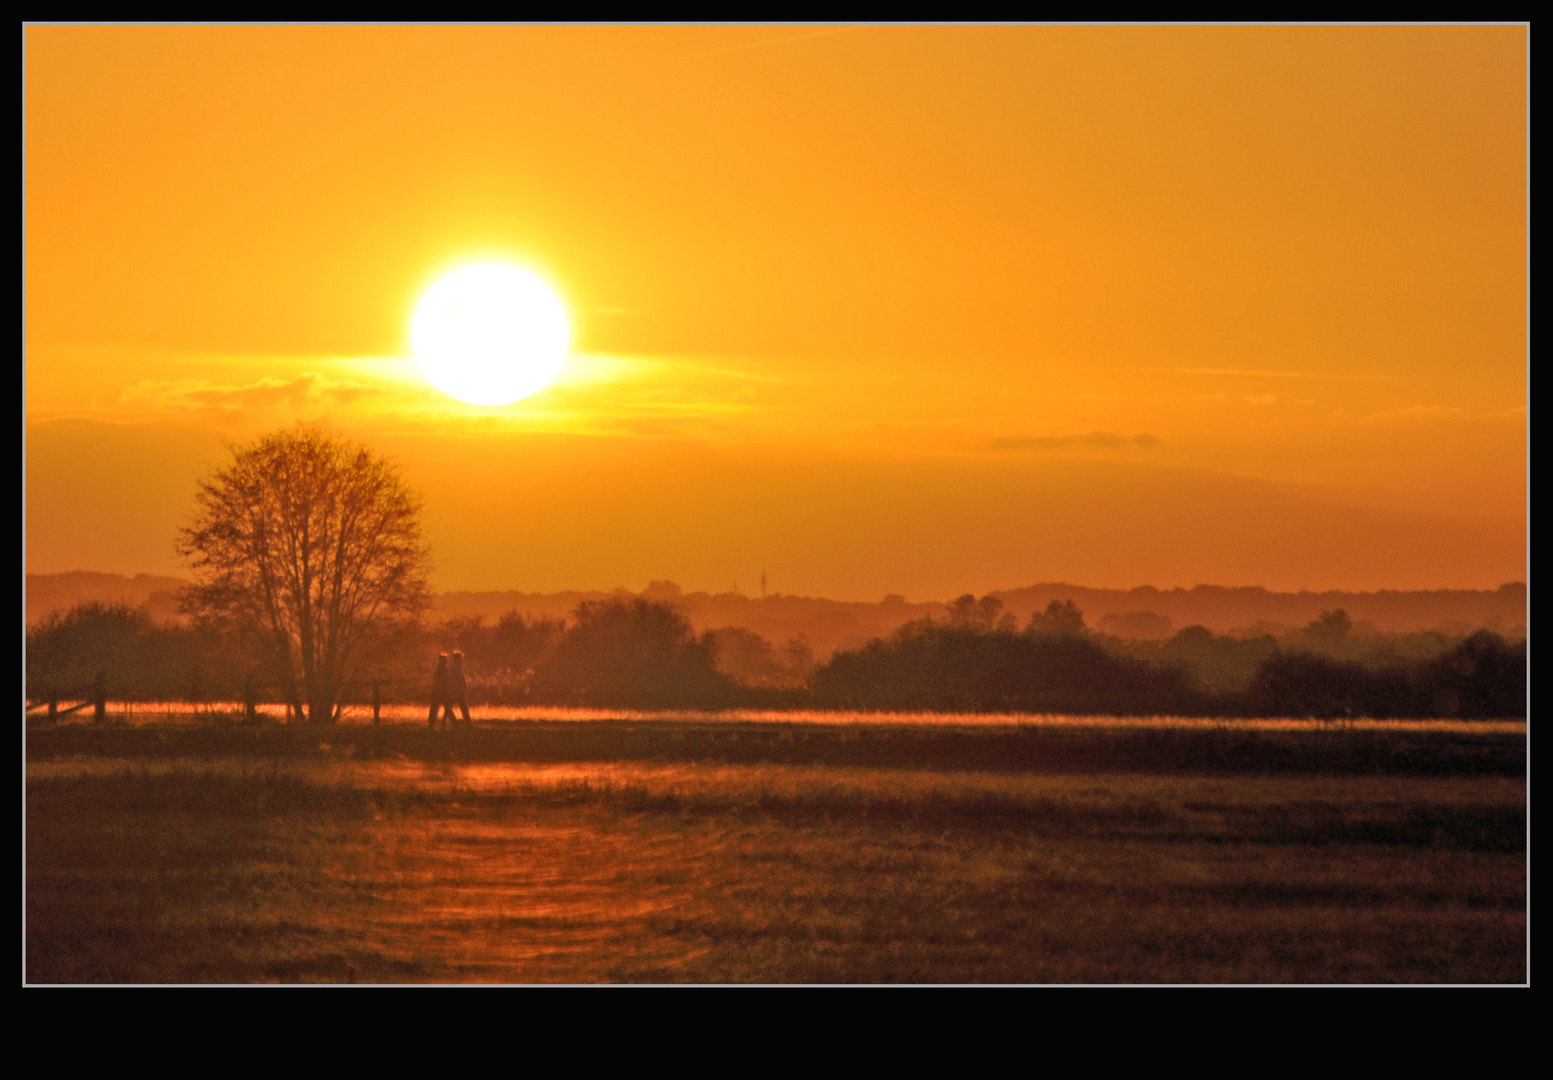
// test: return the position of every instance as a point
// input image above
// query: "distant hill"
(1252, 610)
(829, 625)
(60, 592)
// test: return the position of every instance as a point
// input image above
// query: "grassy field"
(669, 851)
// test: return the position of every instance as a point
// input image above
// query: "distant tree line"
(633, 653)
(1479, 678)
(978, 660)
(141, 660)
(625, 653)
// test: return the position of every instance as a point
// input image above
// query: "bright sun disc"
(490, 334)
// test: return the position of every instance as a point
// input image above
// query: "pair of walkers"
(449, 688)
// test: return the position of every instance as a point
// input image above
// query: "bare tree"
(309, 546)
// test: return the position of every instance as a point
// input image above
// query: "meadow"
(705, 849)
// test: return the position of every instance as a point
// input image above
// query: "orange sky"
(901, 309)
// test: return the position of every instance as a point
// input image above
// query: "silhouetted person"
(458, 689)
(439, 690)
(377, 702)
(100, 697)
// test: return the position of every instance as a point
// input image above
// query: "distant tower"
(762, 584)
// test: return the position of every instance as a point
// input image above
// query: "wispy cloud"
(1262, 373)
(309, 389)
(1445, 412)
(1099, 440)
(590, 368)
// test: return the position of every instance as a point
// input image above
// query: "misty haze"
(776, 504)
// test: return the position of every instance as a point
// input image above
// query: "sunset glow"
(489, 334)
(910, 309)
(888, 504)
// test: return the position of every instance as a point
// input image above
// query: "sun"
(490, 334)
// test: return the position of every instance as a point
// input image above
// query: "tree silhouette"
(945, 666)
(984, 615)
(66, 650)
(309, 547)
(1061, 619)
(1329, 632)
(632, 653)
(1482, 676)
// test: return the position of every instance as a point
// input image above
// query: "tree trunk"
(320, 706)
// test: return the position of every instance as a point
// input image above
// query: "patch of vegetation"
(1225, 750)
(632, 653)
(332, 870)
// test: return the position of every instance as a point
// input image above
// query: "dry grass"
(331, 868)
(164, 713)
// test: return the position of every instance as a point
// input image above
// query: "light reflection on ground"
(330, 866)
(753, 781)
(150, 712)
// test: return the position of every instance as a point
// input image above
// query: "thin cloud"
(1420, 412)
(1265, 374)
(307, 390)
(1096, 440)
(601, 367)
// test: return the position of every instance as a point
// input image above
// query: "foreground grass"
(1062, 746)
(341, 866)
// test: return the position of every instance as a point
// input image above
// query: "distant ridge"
(839, 624)
(1243, 611)
(60, 592)
(836, 624)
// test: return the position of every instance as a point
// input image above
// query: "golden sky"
(884, 309)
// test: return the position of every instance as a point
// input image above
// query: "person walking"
(439, 691)
(458, 690)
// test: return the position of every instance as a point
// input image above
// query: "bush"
(140, 660)
(636, 654)
(943, 667)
